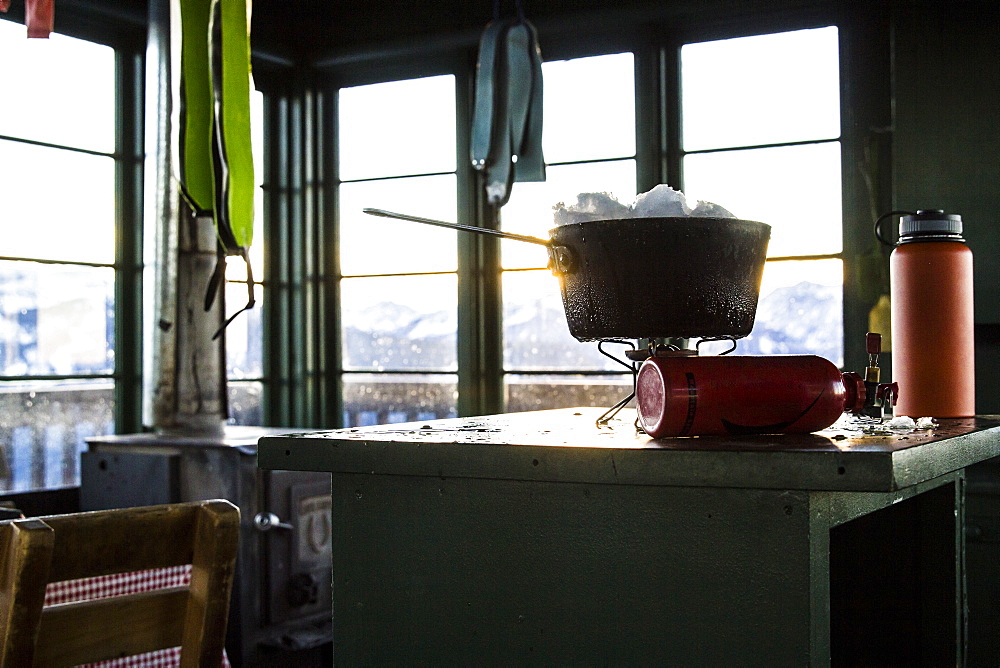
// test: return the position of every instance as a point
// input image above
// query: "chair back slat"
(36, 552)
(213, 566)
(68, 635)
(121, 548)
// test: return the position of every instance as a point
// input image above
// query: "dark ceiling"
(307, 31)
(303, 30)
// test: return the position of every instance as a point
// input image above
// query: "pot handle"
(458, 226)
(561, 260)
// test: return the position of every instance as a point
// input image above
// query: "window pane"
(245, 403)
(794, 189)
(59, 90)
(375, 245)
(800, 311)
(55, 319)
(387, 399)
(257, 134)
(42, 430)
(589, 108)
(535, 333)
(529, 210)
(536, 393)
(397, 128)
(244, 351)
(400, 322)
(76, 224)
(765, 89)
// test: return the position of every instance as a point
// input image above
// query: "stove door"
(297, 543)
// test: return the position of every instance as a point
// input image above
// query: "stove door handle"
(268, 521)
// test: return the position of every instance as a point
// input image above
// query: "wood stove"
(280, 606)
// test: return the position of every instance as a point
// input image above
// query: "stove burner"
(636, 356)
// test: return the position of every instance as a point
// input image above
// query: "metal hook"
(717, 338)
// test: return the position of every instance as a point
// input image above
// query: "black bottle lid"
(930, 225)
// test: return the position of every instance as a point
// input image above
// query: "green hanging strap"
(210, 53)
(192, 113)
(229, 60)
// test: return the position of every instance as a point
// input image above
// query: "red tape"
(38, 16)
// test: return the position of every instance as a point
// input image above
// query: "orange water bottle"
(933, 345)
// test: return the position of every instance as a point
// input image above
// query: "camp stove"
(683, 393)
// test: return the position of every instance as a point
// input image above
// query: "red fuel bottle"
(679, 394)
(933, 344)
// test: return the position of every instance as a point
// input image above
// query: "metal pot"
(658, 277)
(639, 278)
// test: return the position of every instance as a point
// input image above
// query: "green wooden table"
(541, 539)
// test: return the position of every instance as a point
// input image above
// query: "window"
(245, 335)
(774, 157)
(588, 147)
(398, 280)
(58, 266)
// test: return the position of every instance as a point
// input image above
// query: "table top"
(566, 445)
(233, 437)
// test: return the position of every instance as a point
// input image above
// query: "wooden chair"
(38, 551)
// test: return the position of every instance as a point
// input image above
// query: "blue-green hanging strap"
(507, 119)
(530, 161)
(488, 98)
(508, 92)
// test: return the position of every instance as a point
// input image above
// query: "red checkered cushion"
(120, 584)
